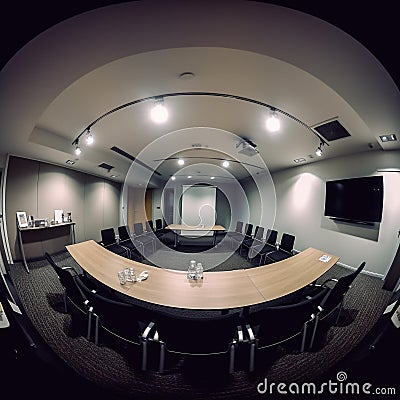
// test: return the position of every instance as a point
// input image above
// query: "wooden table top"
(217, 290)
(181, 227)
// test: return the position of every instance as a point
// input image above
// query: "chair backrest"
(239, 227)
(258, 233)
(202, 335)
(120, 318)
(271, 237)
(138, 228)
(66, 276)
(248, 229)
(340, 288)
(277, 323)
(287, 242)
(123, 233)
(159, 224)
(108, 236)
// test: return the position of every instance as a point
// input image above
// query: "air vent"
(106, 166)
(332, 130)
(132, 158)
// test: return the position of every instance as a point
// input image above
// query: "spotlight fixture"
(225, 164)
(159, 113)
(89, 138)
(78, 150)
(173, 178)
(318, 152)
(273, 124)
(181, 161)
(189, 176)
(212, 177)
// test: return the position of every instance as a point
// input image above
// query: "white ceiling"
(75, 72)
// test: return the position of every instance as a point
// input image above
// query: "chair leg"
(96, 331)
(89, 326)
(162, 358)
(65, 301)
(232, 359)
(252, 357)
(144, 355)
(303, 338)
(314, 332)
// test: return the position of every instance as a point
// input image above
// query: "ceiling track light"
(159, 114)
(89, 138)
(273, 124)
(318, 152)
(77, 150)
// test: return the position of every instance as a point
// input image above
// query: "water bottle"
(199, 271)
(191, 273)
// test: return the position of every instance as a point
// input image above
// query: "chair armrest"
(240, 333)
(250, 333)
(329, 280)
(146, 332)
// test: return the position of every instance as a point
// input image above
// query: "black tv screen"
(355, 199)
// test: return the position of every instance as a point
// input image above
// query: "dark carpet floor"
(118, 373)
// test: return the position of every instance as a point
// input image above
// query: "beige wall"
(39, 188)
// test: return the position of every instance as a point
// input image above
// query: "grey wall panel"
(111, 196)
(93, 207)
(51, 190)
(40, 188)
(21, 195)
(74, 199)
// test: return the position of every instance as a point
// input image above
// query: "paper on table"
(325, 258)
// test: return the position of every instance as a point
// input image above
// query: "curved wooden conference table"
(217, 290)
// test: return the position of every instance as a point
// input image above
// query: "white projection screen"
(198, 208)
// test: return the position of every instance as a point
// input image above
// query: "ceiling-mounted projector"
(248, 147)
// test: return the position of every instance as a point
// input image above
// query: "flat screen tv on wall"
(355, 199)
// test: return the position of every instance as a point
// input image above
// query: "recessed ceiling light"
(225, 164)
(212, 177)
(186, 75)
(388, 138)
(189, 176)
(299, 160)
(173, 178)
(181, 161)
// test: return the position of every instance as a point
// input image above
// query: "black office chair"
(126, 240)
(260, 250)
(116, 322)
(282, 325)
(145, 239)
(204, 336)
(75, 302)
(255, 241)
(285, 249)
(238, 232)
(333, 302)
(159, 230)
(237, 240)
(109, 241)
